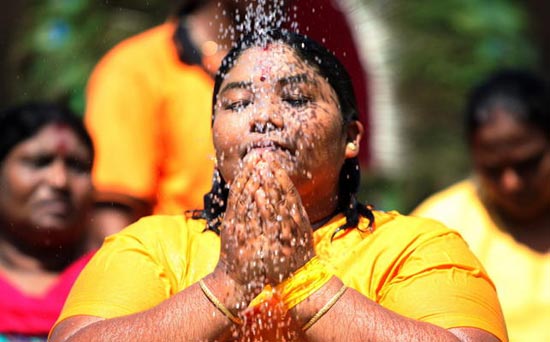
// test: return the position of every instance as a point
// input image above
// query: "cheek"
(13, 195)
(320, 136)
(82, 188)
(17, 184)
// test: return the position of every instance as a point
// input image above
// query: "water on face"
(268, 321)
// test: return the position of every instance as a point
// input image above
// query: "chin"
(54, 224)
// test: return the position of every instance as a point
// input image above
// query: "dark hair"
(336, 75)
(521, 93)
(21, 122)
(185, 7)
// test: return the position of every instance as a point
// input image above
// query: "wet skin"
(277, 122)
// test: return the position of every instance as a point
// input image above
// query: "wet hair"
(21, 122)
(520, 93)
(329, 67)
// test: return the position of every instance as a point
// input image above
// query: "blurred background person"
(503, 209)
(148, 103)
(46, 190)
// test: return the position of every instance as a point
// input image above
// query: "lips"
(267, 145)
(55, 207)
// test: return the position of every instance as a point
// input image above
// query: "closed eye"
(39, 161)
(297, 101)
(237, 106)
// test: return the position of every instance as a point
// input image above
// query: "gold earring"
(352, 146)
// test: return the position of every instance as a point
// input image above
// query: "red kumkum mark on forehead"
(62, 131)
(266, 69)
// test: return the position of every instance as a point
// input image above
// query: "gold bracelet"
(219, 304)
(325, 308)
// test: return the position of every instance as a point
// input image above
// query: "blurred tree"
(57, 42)
(539, 13)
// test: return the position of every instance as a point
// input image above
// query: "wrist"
(312, 305)
(232, 294)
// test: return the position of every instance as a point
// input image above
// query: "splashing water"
(268, 321)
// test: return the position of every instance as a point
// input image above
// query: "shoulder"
(154, 46)
(393, 236)
(406, 228)
(164, 232)
(460, 194)
(164, 225)
(156, 37)
(395, 220)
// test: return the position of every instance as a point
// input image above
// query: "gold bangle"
(219, 304)
(325, 308)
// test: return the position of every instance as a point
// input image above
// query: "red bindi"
(266, 68)
(62, 131)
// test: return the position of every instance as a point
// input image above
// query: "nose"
(57, 175)
(510, 181)
(266, 118)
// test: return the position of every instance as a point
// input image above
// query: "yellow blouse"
(415, 267)
(521, 275)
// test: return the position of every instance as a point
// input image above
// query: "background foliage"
(439, 49)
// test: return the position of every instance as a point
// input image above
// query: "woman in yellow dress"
(283, 251)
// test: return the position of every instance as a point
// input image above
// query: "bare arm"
(187, 316)
(357, 318)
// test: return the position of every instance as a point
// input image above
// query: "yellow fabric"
(521, 275)
(302, 284)
(415, 267)
(149, 116)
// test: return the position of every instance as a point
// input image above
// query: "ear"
(355, 133)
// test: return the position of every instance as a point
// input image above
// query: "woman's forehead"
(272, 60)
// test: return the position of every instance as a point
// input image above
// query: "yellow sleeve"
(441, 282)
(123, 277)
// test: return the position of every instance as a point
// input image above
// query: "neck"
(18, 256)
(534, 232)
(321, 206)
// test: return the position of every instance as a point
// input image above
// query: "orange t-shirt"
(149, 116)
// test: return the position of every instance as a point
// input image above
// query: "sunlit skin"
(46, 187)
(513, 161)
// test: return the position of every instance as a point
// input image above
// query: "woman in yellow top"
(506, 200)
(283, 251)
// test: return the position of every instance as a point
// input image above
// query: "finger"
(242, 188)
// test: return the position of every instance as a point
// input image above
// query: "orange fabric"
(415, 267)
(521, 275)
(149, 116)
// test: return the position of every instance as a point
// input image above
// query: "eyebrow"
(300, 78)
(236, 85)
(293, 79)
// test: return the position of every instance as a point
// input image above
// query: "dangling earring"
(352, 146)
